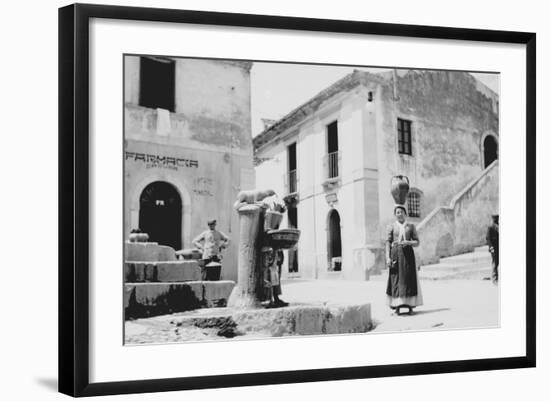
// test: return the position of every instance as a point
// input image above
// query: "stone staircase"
(474, 265)
(156, 283)
(461, 225)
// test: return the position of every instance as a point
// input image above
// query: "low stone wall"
(223, 323)
(461, 226)
(367, 261)
(152, 299)
(436, 236)
(148, 252)
(173, 271)
(305, 320)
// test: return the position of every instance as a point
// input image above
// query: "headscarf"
(401, 226)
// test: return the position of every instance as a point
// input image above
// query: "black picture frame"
(74, 198)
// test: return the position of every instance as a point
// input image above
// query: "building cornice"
(302, 112)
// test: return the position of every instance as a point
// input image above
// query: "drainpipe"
(394, 74)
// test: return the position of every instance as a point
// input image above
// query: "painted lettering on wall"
(203, 186)
(156, 161)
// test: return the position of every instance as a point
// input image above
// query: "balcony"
(332, 169)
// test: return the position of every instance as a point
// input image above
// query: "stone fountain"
(245, 315)
(259, 228)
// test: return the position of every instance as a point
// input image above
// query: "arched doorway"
(160, 214)
(490, 150)
(334, 241)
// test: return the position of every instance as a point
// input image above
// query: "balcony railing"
(333, 164)
(292, 182)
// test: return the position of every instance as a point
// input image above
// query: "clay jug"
(134, 235)
(142, 237)
(399, 188)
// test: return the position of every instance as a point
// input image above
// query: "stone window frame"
(410, 141)
(415, 212)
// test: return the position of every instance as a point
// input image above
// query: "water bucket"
(213, 271)
(272, 220)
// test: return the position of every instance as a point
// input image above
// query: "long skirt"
(403, 285)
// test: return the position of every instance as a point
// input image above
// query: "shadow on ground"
(48, 382)
(423, 312)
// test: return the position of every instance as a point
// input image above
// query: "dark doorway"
(490, 150)
(293, 253)
(160, 214)
(334, 245)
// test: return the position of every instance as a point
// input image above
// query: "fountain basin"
(223, 323)
(285, 238)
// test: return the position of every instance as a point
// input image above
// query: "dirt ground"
(448, 304)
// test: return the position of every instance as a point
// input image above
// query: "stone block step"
(471, 257)
(152, 299)
(454, 267)
(223, 323)
(472, 274)
(148, 252)
(469, 266)
(173, 271)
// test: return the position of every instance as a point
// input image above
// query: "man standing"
(211, 242)
(492, 241)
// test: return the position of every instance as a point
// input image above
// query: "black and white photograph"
(274, 199)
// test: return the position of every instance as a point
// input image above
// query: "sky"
(278, 88)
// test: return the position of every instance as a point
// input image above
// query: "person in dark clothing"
(492, 241)
(403, 289)
(271, 277)
(279, 259)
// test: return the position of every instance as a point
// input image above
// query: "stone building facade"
(334, 157)
(187, 148)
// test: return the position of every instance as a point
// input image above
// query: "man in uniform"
(492, 241)
(211, 242)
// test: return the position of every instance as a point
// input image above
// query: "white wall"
(29, 335)
(356, 189)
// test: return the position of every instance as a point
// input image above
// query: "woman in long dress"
(403, 288)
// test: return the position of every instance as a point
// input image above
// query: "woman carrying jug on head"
(403, 289)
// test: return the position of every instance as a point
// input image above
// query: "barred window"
(404, 139)
(413, 204)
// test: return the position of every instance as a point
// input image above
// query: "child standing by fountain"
(271, 279)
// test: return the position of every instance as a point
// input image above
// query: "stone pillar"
(245, 295)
